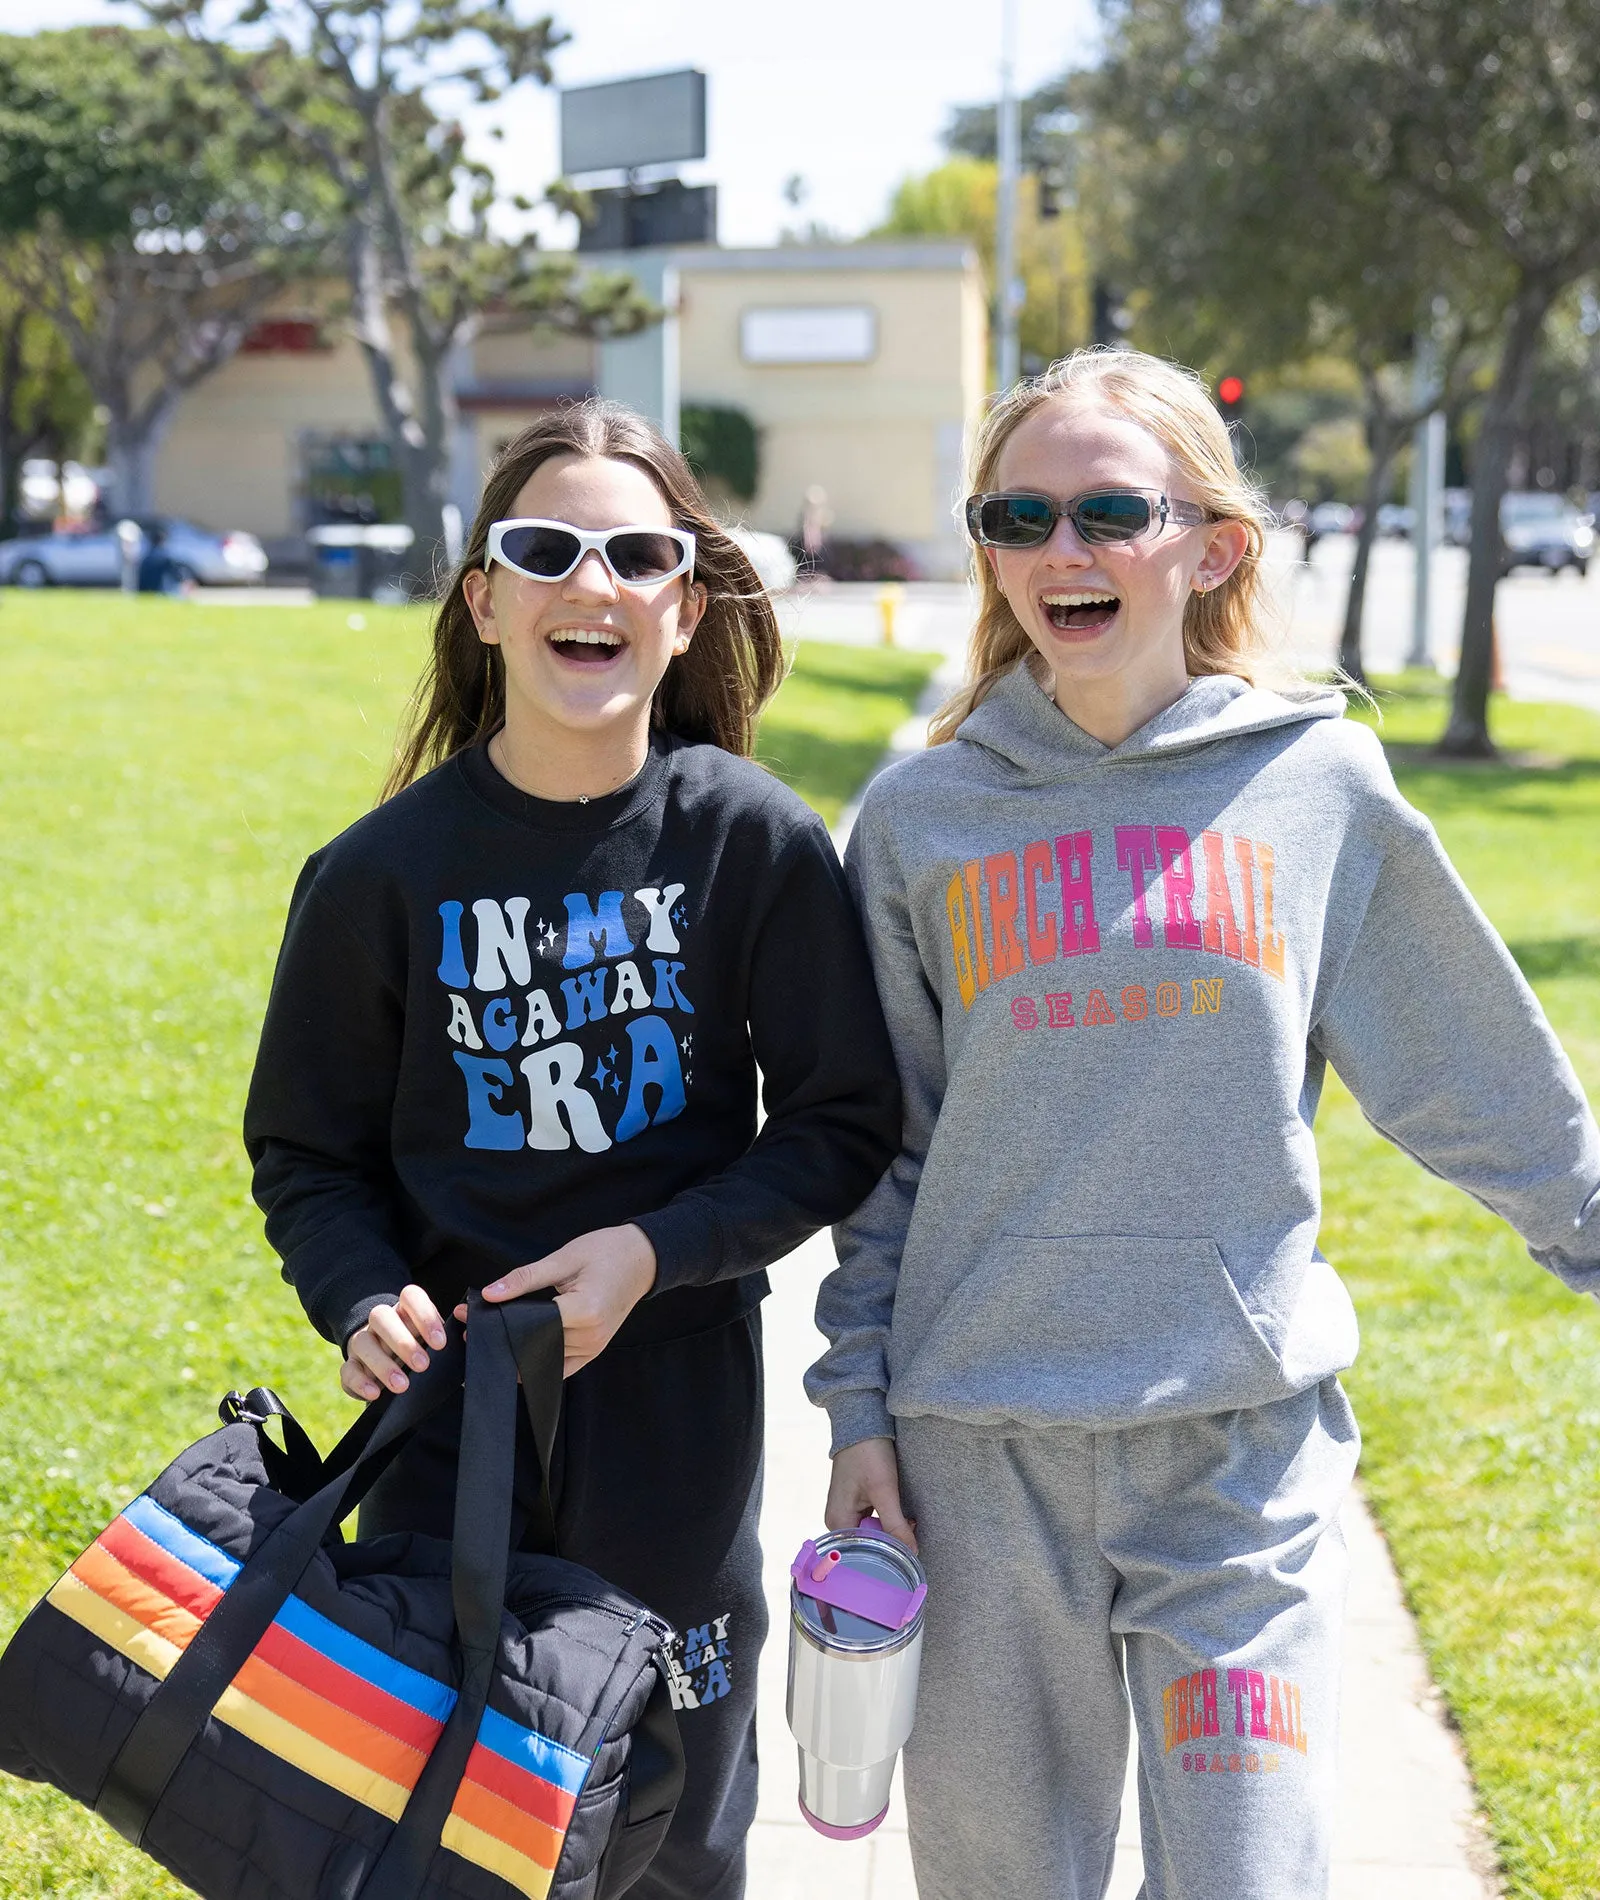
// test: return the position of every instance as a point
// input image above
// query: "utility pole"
(1008, 289)
(1427, 491)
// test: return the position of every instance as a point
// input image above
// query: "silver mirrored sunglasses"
(1027, 520)
(551, 550)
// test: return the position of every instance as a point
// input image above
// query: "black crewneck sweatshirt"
(499, 1022)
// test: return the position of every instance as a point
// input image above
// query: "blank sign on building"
(625, 123)
(809, 333)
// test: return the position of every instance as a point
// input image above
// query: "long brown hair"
(1223, 630)
(712, 693)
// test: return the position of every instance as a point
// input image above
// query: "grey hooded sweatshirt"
(1114, 978)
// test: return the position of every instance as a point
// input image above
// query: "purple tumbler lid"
(874, 1587)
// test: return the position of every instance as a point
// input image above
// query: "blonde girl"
(1123, 913)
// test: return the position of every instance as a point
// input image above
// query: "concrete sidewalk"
(1406, 1828)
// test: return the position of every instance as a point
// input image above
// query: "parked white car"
(769, 555)
(93, 557)
(1540, 529)
(1332, 517)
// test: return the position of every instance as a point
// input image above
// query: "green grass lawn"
(167, 767)
(1478, 1385)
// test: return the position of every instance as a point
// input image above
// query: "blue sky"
(850, 96)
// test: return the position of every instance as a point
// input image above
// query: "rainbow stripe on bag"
(323, 1700)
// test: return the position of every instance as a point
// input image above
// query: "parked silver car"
(93, 557)
(1543, 529)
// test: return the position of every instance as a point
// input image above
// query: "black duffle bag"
(274, 1714)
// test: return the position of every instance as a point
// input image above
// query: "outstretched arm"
(1440, 1039)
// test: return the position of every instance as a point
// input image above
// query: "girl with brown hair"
(514, 1036)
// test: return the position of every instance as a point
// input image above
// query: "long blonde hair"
(1222, 630)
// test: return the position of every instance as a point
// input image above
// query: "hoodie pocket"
(1091, 1329)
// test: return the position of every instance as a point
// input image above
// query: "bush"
(721, 446)
(865, 561)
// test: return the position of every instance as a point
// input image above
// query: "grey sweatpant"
(1194, 1568)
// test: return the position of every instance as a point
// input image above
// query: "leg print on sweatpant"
(1195, 1565)
(1225, 1537)
(657, 1487)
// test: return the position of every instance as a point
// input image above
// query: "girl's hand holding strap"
(599, 1279)
(866, 1479)
(394, 1338)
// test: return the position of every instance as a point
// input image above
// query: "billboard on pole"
(625, 123)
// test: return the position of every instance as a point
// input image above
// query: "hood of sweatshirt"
(1021, 724)
(1114, 977)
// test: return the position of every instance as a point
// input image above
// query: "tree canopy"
(1487, 122)
(158, 222)
(957, 199)
(1290, 176)
(360, 91)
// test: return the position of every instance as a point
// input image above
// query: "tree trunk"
(131, 462)
(1467, 734)
(10, 433)
(1383, 439)
(425, 477)
(133, 440)
(425, 471)
(420, 446)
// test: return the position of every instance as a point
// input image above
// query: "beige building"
(862, 367)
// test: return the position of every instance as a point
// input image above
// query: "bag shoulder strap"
(540, 1350)
(523, 1335)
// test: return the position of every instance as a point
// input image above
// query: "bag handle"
(521, 1336)
(294, 1469)
(175, 1714)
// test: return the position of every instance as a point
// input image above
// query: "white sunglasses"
(551, 550)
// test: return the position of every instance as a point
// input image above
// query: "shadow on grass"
(1557, 956)
(1533, 781)
(827, 728)
(1447, 790)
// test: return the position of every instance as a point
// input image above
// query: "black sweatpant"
(657, 1486)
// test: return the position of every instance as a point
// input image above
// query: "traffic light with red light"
(1230, 397)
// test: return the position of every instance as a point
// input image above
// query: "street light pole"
(1427, 493)
(1008, 301)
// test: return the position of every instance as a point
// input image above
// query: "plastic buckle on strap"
(254, 1407)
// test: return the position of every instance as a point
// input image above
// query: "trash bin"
(357, 560)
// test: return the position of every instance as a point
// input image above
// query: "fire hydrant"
(889, 599)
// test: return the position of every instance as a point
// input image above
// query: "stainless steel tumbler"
(855, 1647)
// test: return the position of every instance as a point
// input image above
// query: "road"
(1549, 628)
